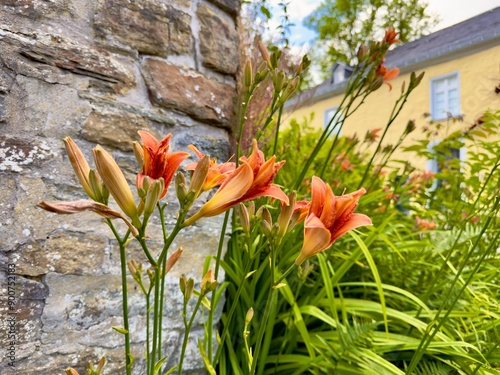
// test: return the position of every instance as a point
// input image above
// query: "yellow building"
(462, 78)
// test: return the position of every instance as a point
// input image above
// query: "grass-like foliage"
(416, 293)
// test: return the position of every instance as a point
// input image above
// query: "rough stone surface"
(114, 127)
(176, 88)
(99, 71)
(218, 40)
(230, 6)
(148, 26)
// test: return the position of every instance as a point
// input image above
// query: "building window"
(442, 159)
(329, 114)
(445, 96)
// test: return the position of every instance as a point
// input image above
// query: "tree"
(343, 24)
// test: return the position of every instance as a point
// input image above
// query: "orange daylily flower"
(386, 74)
(157, 161)
(252, 179)
(217, 173)
(329, 218)
(390, 36)
(425, 224)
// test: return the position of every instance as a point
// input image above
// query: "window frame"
(435, 116)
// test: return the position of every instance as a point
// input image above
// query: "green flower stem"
(123, 264)
(216, 274)
(277, 130)
(231, 311)
(148, 353)
(271, 299)
(161, 210)
(287, 272)
(243, 114)
(187, 329)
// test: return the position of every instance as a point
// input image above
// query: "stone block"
(231, 6)
(218, 40)
(148, 26)
(113, 127)
(172, 87)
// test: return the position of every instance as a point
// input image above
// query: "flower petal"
(316, 238)
(355, 221)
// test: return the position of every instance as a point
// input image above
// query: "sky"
(449, 11)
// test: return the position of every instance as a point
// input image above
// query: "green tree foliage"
(343, 24)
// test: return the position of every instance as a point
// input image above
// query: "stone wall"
(98, 71)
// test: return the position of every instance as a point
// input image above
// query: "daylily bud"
(262, 72)
(265, 53)
(71, 371)
(249, 316)
(245, 219)
(208, 283)
(403, 87)
(279, 80)
(180, 188)
(248, 74)
(251, 209)
(116, 183)
(172, 259)
(266, 215)
(152, 197)
(362, 52)
(132, 267)
(151, 275)
(410, 126)
(289, 90)
(100, 365)
(266, 228)
(80, 165)
(100, 191)
(139, 153)
(275, 58)
(199, 176)
(377, 83)
(286, 214)
(186, 286)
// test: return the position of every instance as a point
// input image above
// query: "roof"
(472, 35)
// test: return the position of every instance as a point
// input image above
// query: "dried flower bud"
(172, 259)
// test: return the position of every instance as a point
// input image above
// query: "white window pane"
(439, 85)
(445, 97)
